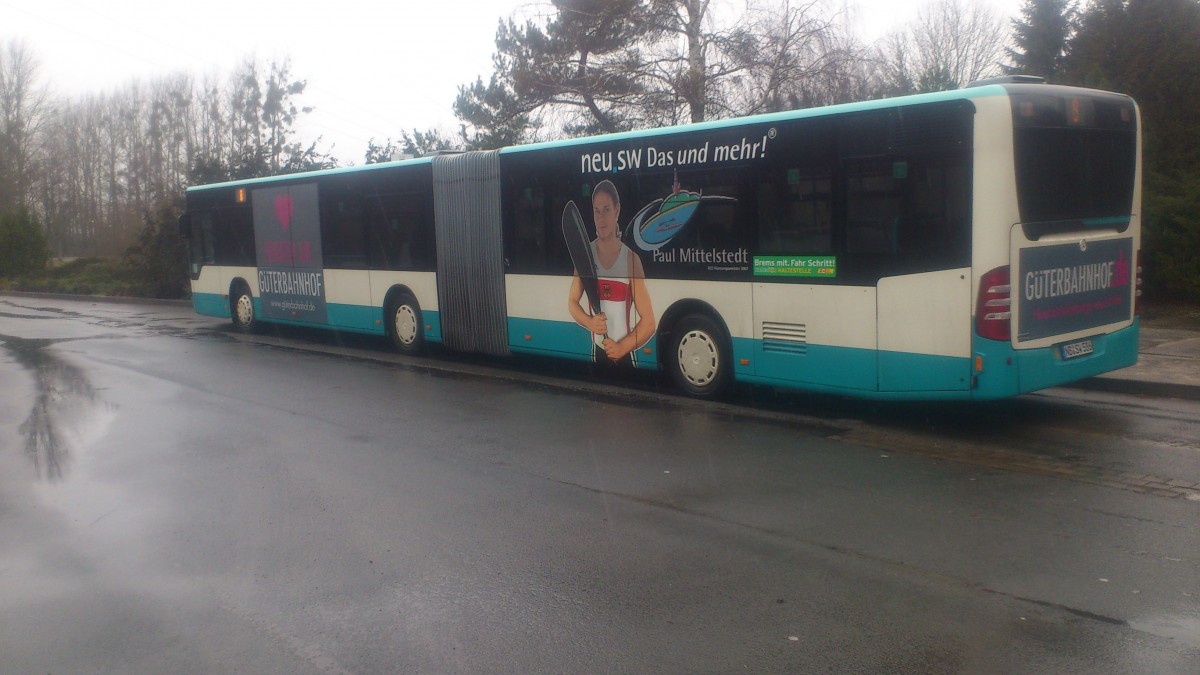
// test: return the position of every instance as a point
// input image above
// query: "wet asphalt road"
(174, 498)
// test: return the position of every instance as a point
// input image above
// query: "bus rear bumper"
(1009, 372)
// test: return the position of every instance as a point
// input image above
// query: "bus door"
(908, 231)
(344, 256)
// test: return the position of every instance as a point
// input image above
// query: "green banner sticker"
(795, 266)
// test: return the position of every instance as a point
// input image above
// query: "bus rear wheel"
(404, 324)
(242, 310)
(701, 359)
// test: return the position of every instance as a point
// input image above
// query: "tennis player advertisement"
(652, 210)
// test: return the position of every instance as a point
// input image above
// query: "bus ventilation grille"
(785, 338)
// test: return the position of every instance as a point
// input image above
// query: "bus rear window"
(1074, 162)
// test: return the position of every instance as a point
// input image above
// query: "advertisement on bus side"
(672, 222)
(287, 233)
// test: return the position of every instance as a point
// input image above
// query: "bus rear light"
(993, 307)
(1137, 294)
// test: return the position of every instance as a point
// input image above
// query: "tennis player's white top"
(616, 293)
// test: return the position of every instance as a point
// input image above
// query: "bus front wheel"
(404, 324)
(242, 306)
(701, 361)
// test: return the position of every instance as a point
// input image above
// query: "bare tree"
(775, 55)
(601, 65)
(684, 67)
(108, 160)
(951, 43)
(24, 109)
(796, 57)
(697, 67)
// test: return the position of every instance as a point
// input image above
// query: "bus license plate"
(1074, 350)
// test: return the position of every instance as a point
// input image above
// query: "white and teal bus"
(971, 244)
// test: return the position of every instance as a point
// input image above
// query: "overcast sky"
(373, 67)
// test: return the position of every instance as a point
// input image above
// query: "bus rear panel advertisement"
(1067, 288)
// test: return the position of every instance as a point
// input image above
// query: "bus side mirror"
(185, 226)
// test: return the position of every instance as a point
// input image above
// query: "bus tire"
(241, 309)
(404, 324)
(700, 360)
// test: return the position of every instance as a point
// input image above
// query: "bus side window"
(528, 250)
(935, 229)
(201, 248)
(558, 258)
(400, 232)
(717, 225)
(908, 214)
(873, 209)
(233, 236)
(343, 230)
(794, 213)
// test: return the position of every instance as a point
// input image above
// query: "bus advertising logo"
(795, 266)
(662, 219)
(1067, 287)
(1121, 271)
(283, 210)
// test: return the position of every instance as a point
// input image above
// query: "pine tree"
(1150, 49)
(577, 62)
(1041, 36)
(23, 247)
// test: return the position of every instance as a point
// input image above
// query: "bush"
(84, 276)
(23, 249)
(154, 267)
(1171, 238)
(159, 261)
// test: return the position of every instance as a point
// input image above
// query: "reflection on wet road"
(66, 409)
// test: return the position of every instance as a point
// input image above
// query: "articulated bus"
(971, 244)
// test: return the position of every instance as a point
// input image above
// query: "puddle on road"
(67, 413)
(1182, 627)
